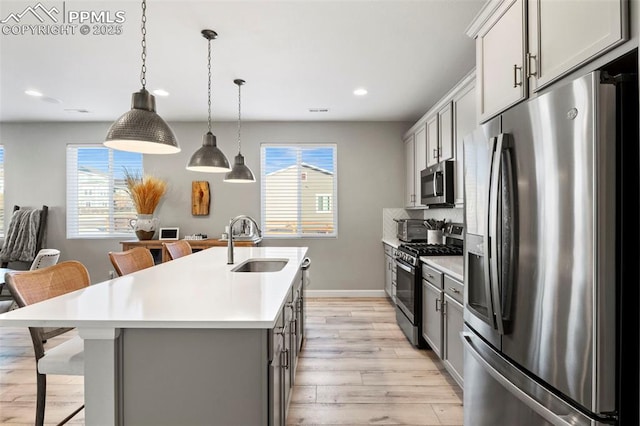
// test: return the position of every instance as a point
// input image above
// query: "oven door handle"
(402, 266)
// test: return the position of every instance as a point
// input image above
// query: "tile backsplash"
(450, 215)
(388, 214)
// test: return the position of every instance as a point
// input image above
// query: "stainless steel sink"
(261, 265)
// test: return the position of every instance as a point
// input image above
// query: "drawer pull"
(455, 290)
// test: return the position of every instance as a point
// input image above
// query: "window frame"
(300, 147)
(73, 198)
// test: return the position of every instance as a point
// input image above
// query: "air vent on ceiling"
(318, 109)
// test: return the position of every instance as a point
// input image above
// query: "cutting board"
(200, 198)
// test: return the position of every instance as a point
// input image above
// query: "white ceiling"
(294, 55)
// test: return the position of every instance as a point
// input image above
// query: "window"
(323, 203)
(98, 205)
(1, 190)
(299, 189)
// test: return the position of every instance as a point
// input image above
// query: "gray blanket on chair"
(21, 237)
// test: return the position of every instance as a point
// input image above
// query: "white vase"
(144, 226)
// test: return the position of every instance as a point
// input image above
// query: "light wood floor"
(356, 368)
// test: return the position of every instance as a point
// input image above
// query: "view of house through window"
(299, 190)
(98, 204)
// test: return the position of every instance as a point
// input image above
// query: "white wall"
(370, 177)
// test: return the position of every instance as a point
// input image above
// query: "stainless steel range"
(408, 279)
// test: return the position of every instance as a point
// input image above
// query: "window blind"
(98, 205)
(1, 190)
(299, 188)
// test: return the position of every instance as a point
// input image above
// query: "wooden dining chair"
(178, 249)
(136, 259)
(67, 358)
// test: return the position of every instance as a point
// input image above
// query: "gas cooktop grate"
(423, 249)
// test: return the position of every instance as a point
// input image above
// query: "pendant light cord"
(143, 71)
(209, 88)
(239, 118)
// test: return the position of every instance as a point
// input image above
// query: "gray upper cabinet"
(594, 27)
(445, 132)
(466, 121)
(409, 164)
(523, 46)
(433, 142)
(500, 48)
(434, 138)
(420, 162)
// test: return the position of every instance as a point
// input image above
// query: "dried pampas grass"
(145, 191)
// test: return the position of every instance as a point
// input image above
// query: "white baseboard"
(345, 293)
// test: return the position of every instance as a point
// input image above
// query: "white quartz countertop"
(195, 291)
(450, 265)
(393, 242)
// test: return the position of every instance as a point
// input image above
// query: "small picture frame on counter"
(169, 233)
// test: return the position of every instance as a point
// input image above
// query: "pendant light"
(209, 158)
(240, 172)
(141, 129)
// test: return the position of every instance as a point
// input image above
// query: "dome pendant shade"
(240, 173)
(141, 129)
(209, 158)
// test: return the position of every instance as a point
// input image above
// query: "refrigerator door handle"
(555, 411)
(487, 238)
(508, 254)
(501, 284)
(492, 230)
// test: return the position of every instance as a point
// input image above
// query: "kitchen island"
(185, 342)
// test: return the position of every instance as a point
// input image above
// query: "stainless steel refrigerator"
(542, 260)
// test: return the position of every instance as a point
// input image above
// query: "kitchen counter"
(195, 291)
(450, 265)
(393, 242)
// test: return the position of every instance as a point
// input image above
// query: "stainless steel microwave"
(436, 185)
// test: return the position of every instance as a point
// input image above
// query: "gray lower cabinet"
(390, 272)
(453, 350)
(443, 319)
(432, 316)
(276, 375)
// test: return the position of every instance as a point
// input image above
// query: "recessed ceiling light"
(360, 91)
(33, 93)
(160, 92)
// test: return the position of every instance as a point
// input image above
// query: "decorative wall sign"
(200, 198)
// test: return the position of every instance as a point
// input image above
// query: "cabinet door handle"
(435, 152)
(515, 76)
(455, 290)
(437, 307)
(444, 308)
(285, 359)
(531, 73)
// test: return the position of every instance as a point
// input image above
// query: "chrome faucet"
(230, 240)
